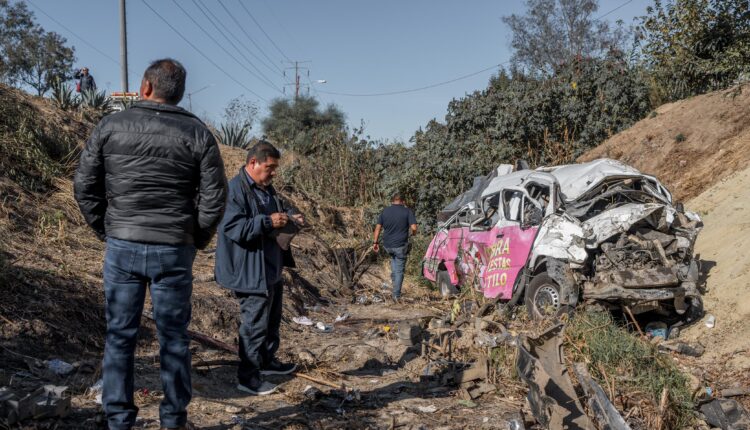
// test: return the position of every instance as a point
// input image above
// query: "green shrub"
(235, 135)
(63, 96)
(596, 339)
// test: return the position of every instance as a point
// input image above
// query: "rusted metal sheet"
(552, 397)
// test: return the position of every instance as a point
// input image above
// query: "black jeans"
(128, 268)
(260, 316)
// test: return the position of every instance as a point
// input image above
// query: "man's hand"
(376, 247)
(299, 219)
(279, 219)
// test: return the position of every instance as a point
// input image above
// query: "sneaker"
(275, 367)
(263, 389)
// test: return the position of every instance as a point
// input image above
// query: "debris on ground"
(48, 401)
(726, 414)
(552, 398)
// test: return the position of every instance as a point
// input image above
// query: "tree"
(16, 21)
(554, 31)
(31, 55)
(695, 46)
(241, 111)
(299, 124)
(47, 60)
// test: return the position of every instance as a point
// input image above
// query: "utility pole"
(296, 82)
(123, 48)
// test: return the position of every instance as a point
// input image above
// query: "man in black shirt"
(395, 222)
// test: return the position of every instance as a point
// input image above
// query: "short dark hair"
(167, 76)
(261, 151)
(396, 197)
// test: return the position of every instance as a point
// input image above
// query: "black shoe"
(275, 367)
(262, 388)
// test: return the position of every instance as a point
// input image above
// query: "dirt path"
(386, 386)
(722, 246)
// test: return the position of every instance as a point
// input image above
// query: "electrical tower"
(296, 66)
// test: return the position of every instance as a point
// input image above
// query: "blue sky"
(358, 47)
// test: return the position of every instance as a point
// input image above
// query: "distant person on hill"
(252, 249)
(85, 81)
(395, 222)
(151, 183)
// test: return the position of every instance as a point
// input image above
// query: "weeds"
(680, 138)
(64, 97)
(235, 135)
(617, 358)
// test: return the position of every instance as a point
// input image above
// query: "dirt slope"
(722, 246)
(689, 144)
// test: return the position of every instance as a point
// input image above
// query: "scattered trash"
(341, 317)
(656, 329)
(59, 367)
(516, 424)
(302, 320)
(386, 328)
(48, 401)
(231, 409)
(682, 348)
(314, 308)
(427, 409)
(710, 321)
(312, 393)
(238, 420)
(97, 390)
(306, 357)
(726, 414)
(325, 328)
(467, 403)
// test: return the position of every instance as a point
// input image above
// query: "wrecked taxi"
(555, 237)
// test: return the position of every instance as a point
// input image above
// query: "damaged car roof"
(576, 179)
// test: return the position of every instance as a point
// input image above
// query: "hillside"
(689, 144)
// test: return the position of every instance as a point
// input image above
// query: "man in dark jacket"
(85, 80)
(249, 261)
(395, 222)
(151, 183)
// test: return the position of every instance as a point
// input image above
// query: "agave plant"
(96, 100)
(63, 96)
(234, 134)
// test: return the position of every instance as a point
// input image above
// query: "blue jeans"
(398, 264)
(129, 268)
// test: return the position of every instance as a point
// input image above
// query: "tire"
(444, 284)
(543, 298)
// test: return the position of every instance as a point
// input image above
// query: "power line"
(248, 35)
(613, 10)
(266, 81)
(412, 90)
(264, 31)
(104, 54)
(85, 42)
(201, 52)
(214, 20)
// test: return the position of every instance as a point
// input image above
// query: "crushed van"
(555, 237)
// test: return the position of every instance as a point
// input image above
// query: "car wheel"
(544, 298)
(444, 284)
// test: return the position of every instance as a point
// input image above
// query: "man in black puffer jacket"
(151, 183)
